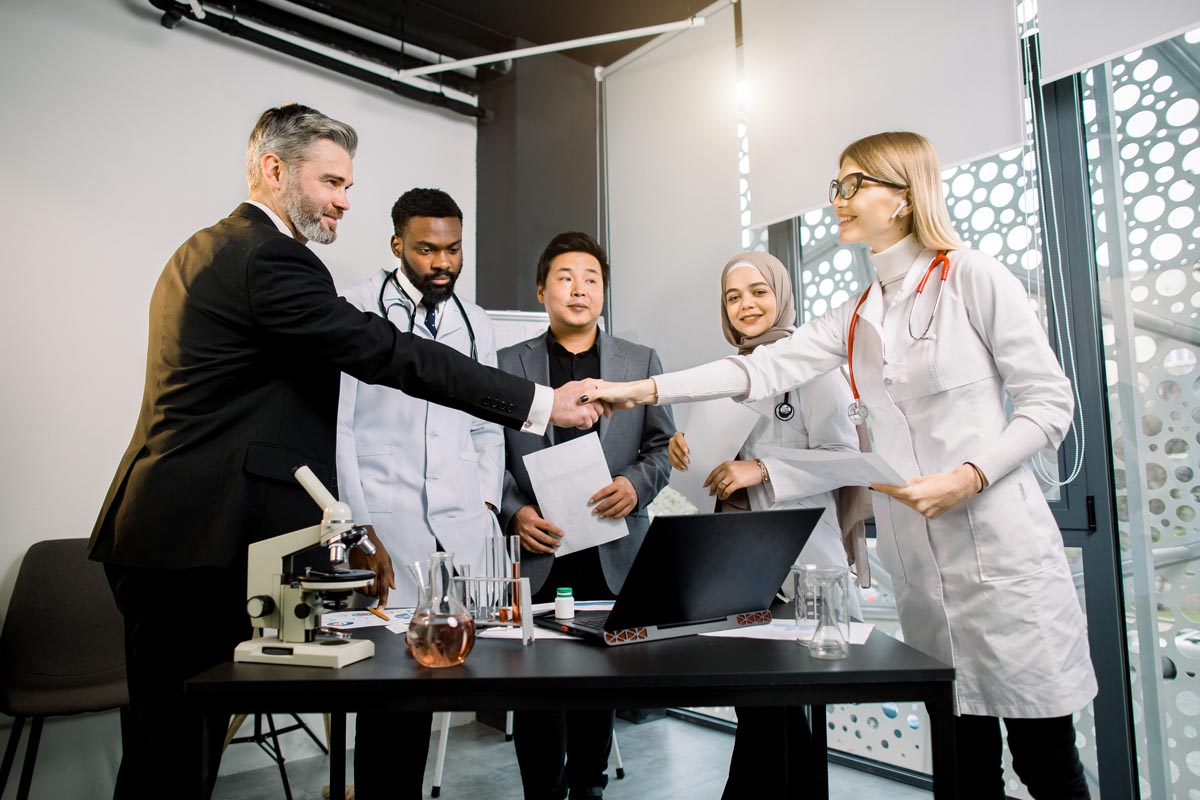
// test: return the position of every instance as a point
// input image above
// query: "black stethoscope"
(784, 410)
(412, 310)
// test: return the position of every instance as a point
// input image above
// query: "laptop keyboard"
(591, 622)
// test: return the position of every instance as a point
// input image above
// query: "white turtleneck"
(893, 264)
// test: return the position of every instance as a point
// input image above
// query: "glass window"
(1141, 118)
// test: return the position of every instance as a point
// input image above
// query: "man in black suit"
(247, 342)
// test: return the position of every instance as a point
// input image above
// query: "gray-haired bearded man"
(247, 342)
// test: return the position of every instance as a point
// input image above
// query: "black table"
(502, 675)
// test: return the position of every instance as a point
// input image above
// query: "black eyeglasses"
(848, 186)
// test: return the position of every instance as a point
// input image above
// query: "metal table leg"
(945, 763)
(337, 755)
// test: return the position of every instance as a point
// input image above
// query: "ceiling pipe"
(604, 38)
(174, 11)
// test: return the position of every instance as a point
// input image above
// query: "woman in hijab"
(757, 308)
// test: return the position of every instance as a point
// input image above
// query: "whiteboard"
(513, 327)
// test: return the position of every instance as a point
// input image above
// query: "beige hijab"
(776, 276)
(853, 502)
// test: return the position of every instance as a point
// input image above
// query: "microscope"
(283, 596)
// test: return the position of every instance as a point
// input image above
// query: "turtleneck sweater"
(1021, 440)
(893, 264)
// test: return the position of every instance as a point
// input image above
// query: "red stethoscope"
(857, 410)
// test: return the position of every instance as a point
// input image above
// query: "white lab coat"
(985, 586)
(820, 423)
(413, 469)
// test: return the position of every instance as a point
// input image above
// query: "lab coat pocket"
(1007, 543)
(375, 466)
(469, 498)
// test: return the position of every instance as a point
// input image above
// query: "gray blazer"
(634, 443)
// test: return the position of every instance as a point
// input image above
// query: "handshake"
(579, 404)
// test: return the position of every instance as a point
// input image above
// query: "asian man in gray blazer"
(559, 750)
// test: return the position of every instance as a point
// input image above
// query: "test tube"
(514, 572)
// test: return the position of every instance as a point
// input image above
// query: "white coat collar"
(411, 296)
(415, 294)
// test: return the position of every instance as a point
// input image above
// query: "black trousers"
(559, 751)
(772, 754)
(390, 750)
(177, 623)
(1043, 753)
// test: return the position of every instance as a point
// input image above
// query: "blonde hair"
(909, 159)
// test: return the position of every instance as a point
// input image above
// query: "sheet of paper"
(361, 618)
(844, 469)
(715, 431)
(785, 629)
(514, 632)
(564, 477)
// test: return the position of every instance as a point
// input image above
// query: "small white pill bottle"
(564, 603)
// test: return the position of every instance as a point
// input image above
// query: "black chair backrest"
(62, 620)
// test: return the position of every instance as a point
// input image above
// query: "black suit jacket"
(247, 341)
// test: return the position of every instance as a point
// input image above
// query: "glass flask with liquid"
(441, 632)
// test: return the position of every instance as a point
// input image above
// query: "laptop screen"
(708, 566)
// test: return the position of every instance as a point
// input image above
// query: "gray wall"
(537, 172)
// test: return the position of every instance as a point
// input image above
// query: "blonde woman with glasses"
(934, 346)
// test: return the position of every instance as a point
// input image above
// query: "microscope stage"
(334, 586)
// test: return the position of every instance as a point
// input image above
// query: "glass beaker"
(441, 632)
(804, 602)
(830, 591)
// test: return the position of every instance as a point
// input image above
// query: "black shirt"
(565, 367)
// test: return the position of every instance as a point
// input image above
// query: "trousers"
(559, 751)
(178, 623)
(1043, 752)
(772, 754)
(390, 750)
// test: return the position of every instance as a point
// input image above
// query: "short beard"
(424, 284)
(304, 214)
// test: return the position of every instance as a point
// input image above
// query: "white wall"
(121, 138)
(672, 154)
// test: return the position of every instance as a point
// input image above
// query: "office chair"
(444, 739)
(62, 652)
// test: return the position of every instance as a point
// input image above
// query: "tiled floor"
(666, 759)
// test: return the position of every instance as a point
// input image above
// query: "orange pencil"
(379, 614)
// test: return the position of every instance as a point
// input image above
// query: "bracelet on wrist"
(762, 468)
(978, 475)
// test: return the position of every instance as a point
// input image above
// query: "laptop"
(700, 573)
